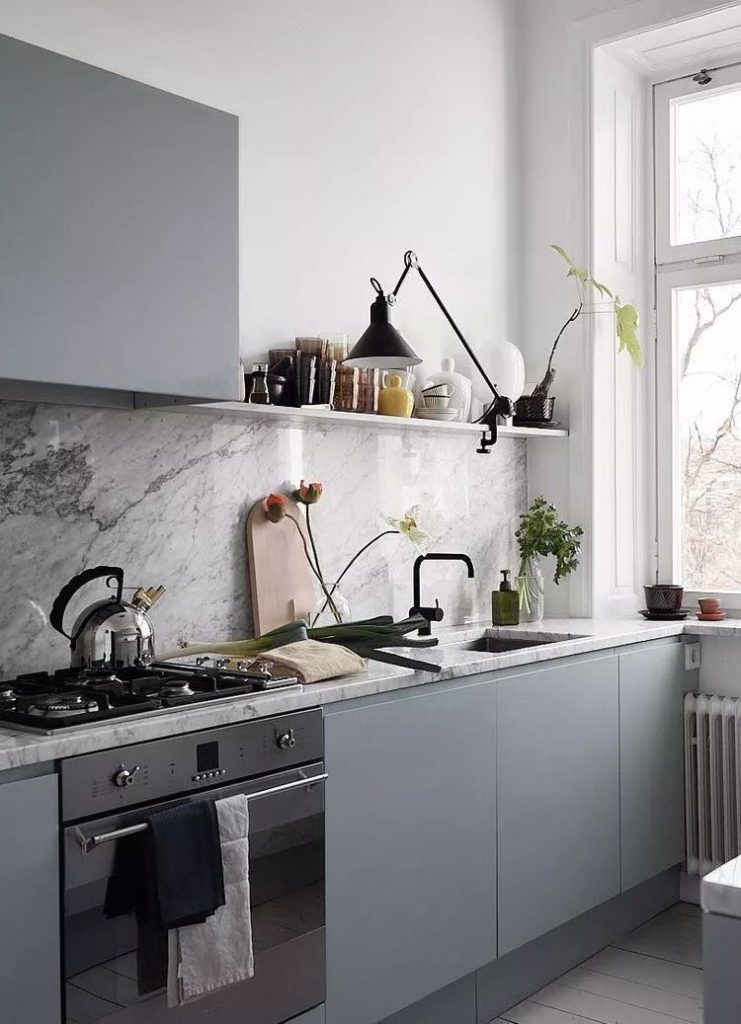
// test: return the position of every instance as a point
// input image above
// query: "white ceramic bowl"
(435, 401)
(437, 391)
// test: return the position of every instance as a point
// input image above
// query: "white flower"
(409, 527)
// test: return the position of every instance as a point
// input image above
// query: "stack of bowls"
(435, 402)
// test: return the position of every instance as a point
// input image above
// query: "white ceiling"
(709, 40)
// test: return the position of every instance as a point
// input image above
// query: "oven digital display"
(207, 756)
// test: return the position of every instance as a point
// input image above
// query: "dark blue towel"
(188, 873)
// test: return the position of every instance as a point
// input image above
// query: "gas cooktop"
(49, 702)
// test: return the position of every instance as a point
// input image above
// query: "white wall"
(367, 128)
(554, 40)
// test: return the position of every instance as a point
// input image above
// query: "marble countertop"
(563, 638)
(720, 891)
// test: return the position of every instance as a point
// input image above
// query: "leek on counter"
(370, 638)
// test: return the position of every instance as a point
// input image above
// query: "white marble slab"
(165, 495)
(570, 637)
(720, 891)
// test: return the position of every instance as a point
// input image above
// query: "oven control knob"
(125, 776)
(286, 740)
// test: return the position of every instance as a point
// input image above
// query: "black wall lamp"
(382, 347)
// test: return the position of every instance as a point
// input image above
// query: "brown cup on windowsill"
(664, 597)
(709, 605)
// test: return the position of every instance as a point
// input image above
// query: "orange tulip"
(308, 494)
(275, 507)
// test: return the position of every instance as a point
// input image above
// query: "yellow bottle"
(394, 399)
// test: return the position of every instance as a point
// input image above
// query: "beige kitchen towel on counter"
(312, 661)
(218, 952)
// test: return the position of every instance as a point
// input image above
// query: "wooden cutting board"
(281, 582)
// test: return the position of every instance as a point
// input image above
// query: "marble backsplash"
(165, 495)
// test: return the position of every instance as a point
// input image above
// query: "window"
(698, 290)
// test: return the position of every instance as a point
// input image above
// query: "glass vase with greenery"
(541, 533)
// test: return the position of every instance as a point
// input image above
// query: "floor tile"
(650, 976)
(647, 970)
(633, 993)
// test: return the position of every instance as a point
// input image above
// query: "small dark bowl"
(663, 597)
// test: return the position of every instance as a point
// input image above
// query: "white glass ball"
(507, 369)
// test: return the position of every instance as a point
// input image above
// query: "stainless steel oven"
(107, 798)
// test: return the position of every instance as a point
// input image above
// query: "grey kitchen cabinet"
(118, 232)
(29, 902)
(558, 798)
(315, 1016)
(651, 760)
(411, 848)
(721, 952)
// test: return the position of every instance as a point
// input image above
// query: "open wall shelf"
(305, 417)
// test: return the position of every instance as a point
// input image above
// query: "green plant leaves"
(626, 317)
(602, 289)
(626, 325)
(542, 532)
(563, 254)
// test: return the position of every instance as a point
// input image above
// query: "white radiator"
(712, 782)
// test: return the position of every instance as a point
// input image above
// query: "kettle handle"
(68, 591)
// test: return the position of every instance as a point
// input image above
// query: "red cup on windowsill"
(709, 605)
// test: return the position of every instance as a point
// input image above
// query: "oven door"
(106, 955)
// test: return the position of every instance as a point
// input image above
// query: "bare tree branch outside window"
(710, 385)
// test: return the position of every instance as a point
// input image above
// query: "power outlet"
(691, 656)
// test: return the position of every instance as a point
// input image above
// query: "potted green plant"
(541, 533)
(538, 406)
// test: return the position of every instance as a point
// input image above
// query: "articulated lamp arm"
(500, 405)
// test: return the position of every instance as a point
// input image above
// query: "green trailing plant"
(541, 533)
(626, 320)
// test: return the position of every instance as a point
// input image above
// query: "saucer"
(437, 414)
(711, 616)
(663, 616)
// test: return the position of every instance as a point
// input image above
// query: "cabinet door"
(558, 797)
(29, 898)
(651, 761)
(119, 228)
(411, 873)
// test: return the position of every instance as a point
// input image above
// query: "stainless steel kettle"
(112, 633)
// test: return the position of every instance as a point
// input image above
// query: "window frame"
(664, 95)
(686, 265)
(669, 489)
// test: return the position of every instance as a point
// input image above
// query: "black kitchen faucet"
(433, 614)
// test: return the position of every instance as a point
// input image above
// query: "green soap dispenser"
(505, 603)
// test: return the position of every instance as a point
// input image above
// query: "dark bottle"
(259, 394)
(505, 603)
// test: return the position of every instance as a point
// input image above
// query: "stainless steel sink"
(497, 645)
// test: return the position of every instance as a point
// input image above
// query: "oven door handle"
(89, 843)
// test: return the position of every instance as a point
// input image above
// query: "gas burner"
(54, 705)
(84, 678)
(73, 697)
(176, 688)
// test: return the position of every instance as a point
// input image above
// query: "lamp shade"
(381, 346)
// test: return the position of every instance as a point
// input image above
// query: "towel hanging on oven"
(188, 872)
(206, 957)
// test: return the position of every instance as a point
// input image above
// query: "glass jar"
(531, 588)
(346, 390)
(369, 384)
(259, 394)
